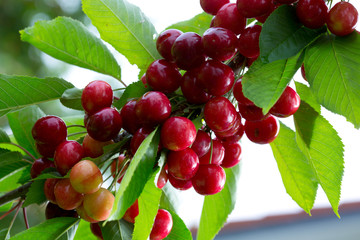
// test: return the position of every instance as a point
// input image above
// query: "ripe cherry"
(67, 154)
(40, 165)
(128, 117)
(342, 18)
(231, 131)
(182, 164)
(312, 13)
(191, 89)
(249, 41)
(49, 189)
(177, 133)
(96, 96)
(209, 179)
(46, 150)
(180, 184)
(230, 18)
(254, 8)
(232, 154)
(162, 225)
(132, 212)
(264, 131)
(216, 153)
(66, 196)
(252, 113)
(202, 143)
(138, 138)
(96, 230)
(98, 205)
(165, 41)
(104, 125)
(93, 148)
(54, 211)
(286, 1)
(303, 72)
(239, 95)
(85, 177)
(236, 137)
(49, 130)
(212, 6)
(287, 105)
(162, 180)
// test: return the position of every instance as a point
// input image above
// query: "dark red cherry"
(212, 6)
(249, 42)
(66, 196)
(209, 179)
(250, 61)
(312, 13)
(128, 116)
(303, 72)
(46, 150)
(236, 137)
(67, 154)
(163, 178)
(191, 89)
(40, 165)
(177, 133)
(342, 18)
(153, 108)
(219, 43)
(180, 184)
(202, 143)
(188, 51)
(232, 154)
(49, 189)
(143, 80)
(96, 96)
(252, 113)
(254, 8)
(239, 95)
(215, 77)
(104, 125)
(263, 17)
(162, 225)
(287, 105)
(96, 230)
(54, 211)
(138, 138)
(286, 1)
(163, 76)
(216, 153)
(49, 130)
(229, 17)
(132, 212)
(264, 131)
(182, 164)
(165, 41)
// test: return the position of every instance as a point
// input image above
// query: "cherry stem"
(25, 160)
(122, 82)
(118, 89)
(80, 126)
(23, 149)
(116, 98)
(19, 192)
(25, 218)
(8, 212)
(16, 213)
(77, 133)
(211, 151)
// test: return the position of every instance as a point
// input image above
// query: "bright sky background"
(261, 191)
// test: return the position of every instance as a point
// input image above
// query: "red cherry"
(128, 116)
(237, 136)
(249, 41)
(67, 154)
(303, 72)
(239, 95)
(162, 180)
(212, 6)
(165, 41)
(163, 76)
(217, 154)
(232, 154)
(202, 143)
(132, 212)
(230, 18)
(138, 138)
(49, 189)
(252, 113)
(96, 230)
(286, 1)
(177, 133)
(40, 165)
(182, 164)
(46, 150)
(162, 225)
(49, 130)
(143, 80)
(231, 131)
(96, 96)
(263, 17)
(54, 211)
(191, 89)
(287, 105)
(312, 13)
(253, 8)
(209, 179)
(342, 18)
(264, 131)
(180, 184)
(66, 196)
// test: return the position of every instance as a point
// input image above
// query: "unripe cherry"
(66, 196)
(93, 148)
(98, 205)
(85, 177)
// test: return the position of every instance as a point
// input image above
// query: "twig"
(14, 194)
(8, 212)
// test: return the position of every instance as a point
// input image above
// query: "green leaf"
(70, 41)
(136, 175)
(296, 172)
(71, 98)
(307, 96)
(111, 150)
(212, 218)
(75, 120)
(51, 229)
(52, 174)
(134, 90)
(332, 69)
(126, 28)
(179, 230)
(21, 123)
(324, 149)
(284, 36)
(117, 230)
(20, 91)
(4, 138)
(10, 163)
(83, 232)
(170, 198)
(36, 193)
(148, 208)
(198, 24)
(264, 83)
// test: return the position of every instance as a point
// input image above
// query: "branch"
(14, 194)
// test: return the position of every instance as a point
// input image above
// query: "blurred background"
(263, 210)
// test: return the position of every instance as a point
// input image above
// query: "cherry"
(128, 116)
(132, 212)
(67, 154)
(177, 133)
(202, 143)
(162, 225)
(46, 150)
(250, 61)
(104, 125)
(264, 131)
(162, 180)
(236, 137)
(231, 131)
(312, 13)
(54, 211)
(249, 41)
(96, 96)
(232, 154)
(220, 114)
(286, 1)
(303, 72)
(49, 130)
(287, 105)
(49, 189)
(229, 17)
(191, 89)
(66, 196)
(163, 76)
(187, 51)
(40, 165)
(96, 230)
(239, 95)
(86, 119)
(219, 43)
(138, 138)
(93, 148)
(212, 6)
(222, 77)
(120, 165)
(153, 108)
(209, 179)
(342, 18)
(182, 164)
(98, 205)
(254, 8)
(252, 113)
(83, 215)
(216, 153)
(264, 17)
(143, 80)
(180, 184)
(165, 41)
(85, 177)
